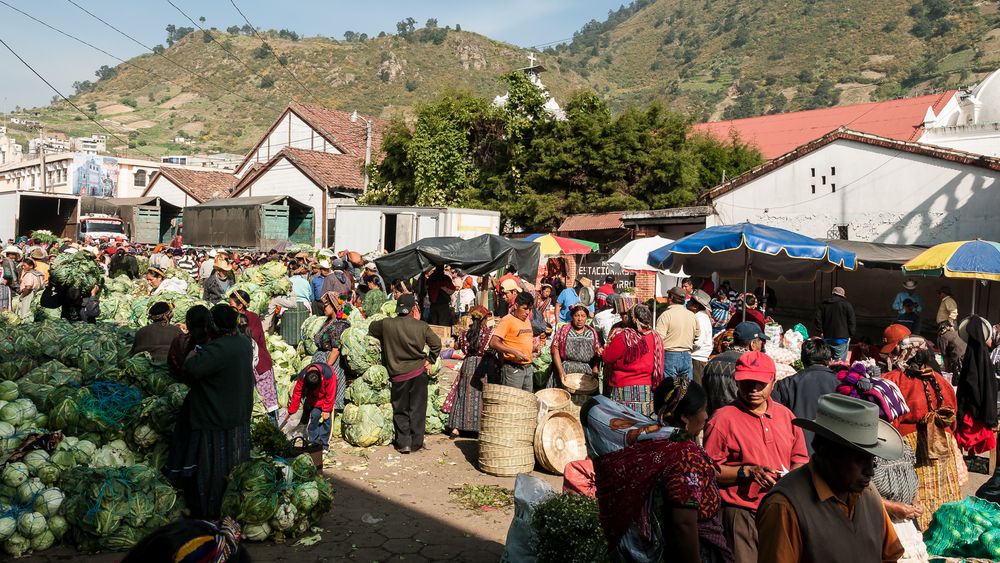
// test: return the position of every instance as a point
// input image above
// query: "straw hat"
(854, 423)
(224, 266)
(324, 265)
(13, 250)
(38, 254)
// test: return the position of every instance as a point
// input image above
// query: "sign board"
(595, 267)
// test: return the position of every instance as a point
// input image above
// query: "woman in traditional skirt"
(576, 347)
(466, 396)
(212, 433)
(633, 361)
(336, 308)
(929, 425)
(263, 369)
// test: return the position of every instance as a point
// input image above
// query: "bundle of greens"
(569, 530)
(78, 270)
(374, 300)
(310, 328)
(44, 236)
(272, 498)
(112, 508)
(263, 283)
(31, 516)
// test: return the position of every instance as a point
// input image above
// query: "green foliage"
(261, 52)
(476, 497)
(130, 102)
(569, 530)
(106, 73)
(175, 34)
(266, 81)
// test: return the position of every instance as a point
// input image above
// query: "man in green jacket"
(403, 340)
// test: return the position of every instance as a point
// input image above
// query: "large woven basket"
(554, 399)
(505, 395)
(505, 462)
(510, 436)
(558, 441)
(580, 383)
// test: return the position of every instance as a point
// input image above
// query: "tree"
(350, 35)
(106, 73)
(261, 52)
(159, 49)
(201, 19)
(206, 36)
(233, 30)
(266, 81)
(82, 87)
(432, 23)
(458, 27)
(405, 28)
(92, 107)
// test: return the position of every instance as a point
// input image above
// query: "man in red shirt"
(754, 443)
(604, 291)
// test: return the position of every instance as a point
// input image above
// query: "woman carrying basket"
(576, 347)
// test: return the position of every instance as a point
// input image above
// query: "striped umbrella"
(552, 244)
(969, 259)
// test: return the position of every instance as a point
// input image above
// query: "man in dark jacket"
(835, 322)
(403, 339)
(801, 392)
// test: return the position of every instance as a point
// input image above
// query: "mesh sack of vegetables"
(272, 498)
(310, 328)
(967, 528)
(377, 377)
(569, 531)
(361, 350)
(31, 519)
(79, 270)
(360, 393)
(113, 508)
(374, 300)
(365, 428)
(151, 378)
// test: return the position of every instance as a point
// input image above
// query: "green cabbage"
(30, 524)
(47, 503)
(26, 491)
(15, 474)
(257, 532)
(8, 390)
(8, 527)
(306, 496)
(284, 518)
(57, 525)
(43, 541)
(49, 474)
(377, 377)
(367, 430)
(35, 459)
(17, 545)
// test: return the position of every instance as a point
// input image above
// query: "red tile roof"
(943, 153)
(592, 222)
(778, 134)
(337, 127)
(202, 185)
(326, 170)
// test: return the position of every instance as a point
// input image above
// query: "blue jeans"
(839, 350)
(677, 364)
(318, 432)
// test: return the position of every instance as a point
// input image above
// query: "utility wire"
(220, 87)
(221, 46)
(91, 45)
(70, 102)
(273, 52)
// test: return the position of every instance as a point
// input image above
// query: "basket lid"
(580, 383)
(562, 441)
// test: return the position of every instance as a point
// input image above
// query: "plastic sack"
(529, 492)
(967, 528)
(611, 426)
(794, 340)
(773, 332)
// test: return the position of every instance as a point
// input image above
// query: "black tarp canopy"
(477, 256)
(878, 254)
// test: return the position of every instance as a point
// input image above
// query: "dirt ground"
(393, 507)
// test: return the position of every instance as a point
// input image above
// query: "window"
(813, 172)
(842, 232)
(814, 188)
(833, 170)
(140, 179)
(833, 188)
(824, 180)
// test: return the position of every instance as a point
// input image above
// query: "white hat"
(324, 265)
(13, 250)
(70, 250)
(325, 252)
(213, 253)
(371, 266)
(854, 423)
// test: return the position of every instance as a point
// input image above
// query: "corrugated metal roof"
(592, 222)
(778, 134)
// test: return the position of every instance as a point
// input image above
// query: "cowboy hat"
(38, 254)
(910, 284)
(13, 250)
(324, 265)
(854, 423)
(702, 299)
(224, 266)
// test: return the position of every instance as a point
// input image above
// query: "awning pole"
(746, 271)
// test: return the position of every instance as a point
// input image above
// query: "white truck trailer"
(371, 228)
(24, 211)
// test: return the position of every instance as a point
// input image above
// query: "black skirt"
(200, 461)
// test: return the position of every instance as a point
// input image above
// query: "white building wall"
(284, 179)
(170, 192)
(878, 194)
(290, 131)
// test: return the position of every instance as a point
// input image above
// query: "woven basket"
(508, 441)
(506, 462)
(582, 383)
(502, 394)
(554, 399)
(558, 441)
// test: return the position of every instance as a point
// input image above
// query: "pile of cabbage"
(272, 498)
(113, 508)
(263, 283)
(126, 302)
(31, 506)
(367, 417)
(287, 363)
(78, 270)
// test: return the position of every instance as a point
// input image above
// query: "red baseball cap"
(892, 336)
(755, 366)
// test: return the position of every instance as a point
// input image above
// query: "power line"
(216, 41)
(70, 102)
(273, 52)
(92, 46)
(220, 87)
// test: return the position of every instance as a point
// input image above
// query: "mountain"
(223, 92)
(712, 59)
(735, 58)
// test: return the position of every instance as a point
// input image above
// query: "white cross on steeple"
(531, 59)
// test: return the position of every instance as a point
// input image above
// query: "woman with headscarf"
(633, 361)
(466, 399)
(977, 389)
(200, 329)
(927, 427)
(212, 432)
(658, 499)
(156, 337)
(576, 346)
(263, 368)
(192, 541)
(336, 308)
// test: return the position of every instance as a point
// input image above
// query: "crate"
(442, 332)
(290, 325)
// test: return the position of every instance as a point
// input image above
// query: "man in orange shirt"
(513, 338)
(827, 510)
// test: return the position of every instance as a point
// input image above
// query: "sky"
(62, 61)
